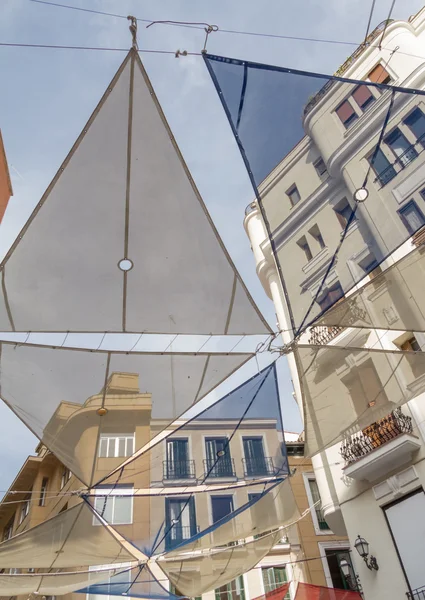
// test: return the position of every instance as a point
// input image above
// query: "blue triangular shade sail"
(281, 117)
(236, 447)
(138, 582)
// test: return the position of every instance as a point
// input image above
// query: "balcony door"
(178, 459)
(217, 463)
(407, 524)
(255, 461)
(180, 520)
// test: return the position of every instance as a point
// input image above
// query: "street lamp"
(351, 578)
(362, 547)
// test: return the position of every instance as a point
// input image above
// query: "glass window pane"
(121, 447)
(103, 447)
(123, 510)
(130, 446)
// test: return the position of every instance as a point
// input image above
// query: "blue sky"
(47, 96)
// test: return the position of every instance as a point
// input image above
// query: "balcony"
(223, 467)
(258, 466)
(323, 526)
(401, 162)
(179, 534)
(178, 470)
(418, 594)
(323, 334)
(380, 447)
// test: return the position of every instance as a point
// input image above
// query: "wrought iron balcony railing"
(323, 526)
(178, 469)
(220, 467)
(179, 534)
(401, 162)
(418, 594)
(373, 436)
(323, 334)
(261, 465)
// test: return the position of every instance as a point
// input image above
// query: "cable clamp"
(179, 53)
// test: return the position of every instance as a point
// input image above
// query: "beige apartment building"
(5, 184)
(43, 487)
(372, 481)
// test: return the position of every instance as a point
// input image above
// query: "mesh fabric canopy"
(136, 583)
(306, 591)
(220, 463)
(194, 576)
(74, 537)
(347, 389)
(58, 392)
(270, 110)
(393, 299)
(124, 193)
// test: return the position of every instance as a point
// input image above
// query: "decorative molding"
(394, 486)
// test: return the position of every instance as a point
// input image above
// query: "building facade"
(371, 484)
(5, 184)
(44, 487)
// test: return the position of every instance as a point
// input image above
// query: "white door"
(407, 522)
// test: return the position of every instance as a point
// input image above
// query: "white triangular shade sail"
(347, 389)
(195, 575)
(52, 584)
(58, 392)
(74, 537)
(124, 192)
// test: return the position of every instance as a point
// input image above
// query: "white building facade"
(371, 484)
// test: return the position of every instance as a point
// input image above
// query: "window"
(273, 578)
(382, 167)
(43, 490)
(315, 233)
(113, 446)
(331, 296)
(315, 495)
(293, 195)
(66, 476)
(333, 558)
(401, 147)
(346, 113)
(180, 520)
(178, 465)
(8, 530)
(343, 212)
(363, 96)
(219, 463)
(116, 584)
(64, 508)
(320, 167)
(412, 217)
(416, 123)
(303, 244)
(411, 345)
(255, 462)
(25, 508)
(234, 590)
(114, 505)
(295, 449)
(379, 75)
(221, 506)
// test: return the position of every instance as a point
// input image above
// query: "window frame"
(275, 585)
(292, 190)
(410, 147)
(113, 494)
(403, 209)
(307, 477)
(316, 164)
(371, 99)
(114, 439)
(407, 118)
(305, 247)
(388, 75)
(43, 491)
(353, 117)
(126, 568)
(65, 477)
